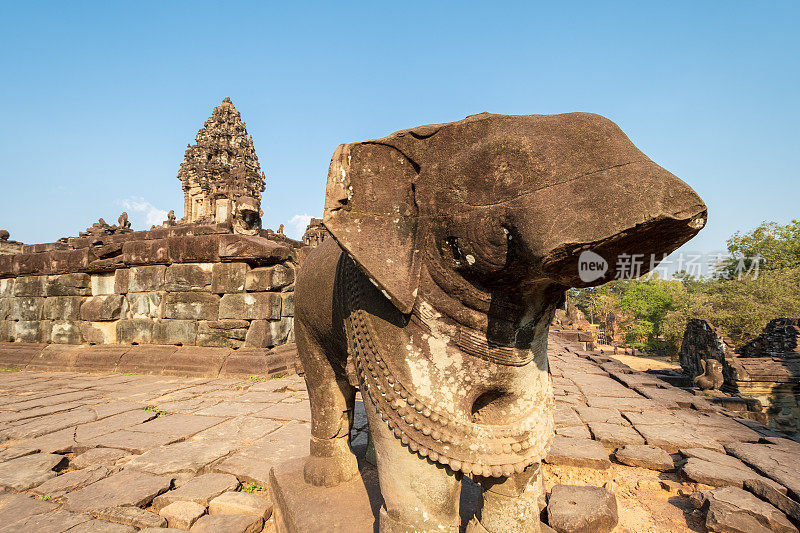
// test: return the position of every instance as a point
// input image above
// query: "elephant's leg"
(511, 505)
(419, 495)
(332, 399)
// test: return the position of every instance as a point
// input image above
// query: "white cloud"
(142, 213)
(297, 226)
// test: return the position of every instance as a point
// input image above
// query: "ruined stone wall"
(188, 285)
(701, 340)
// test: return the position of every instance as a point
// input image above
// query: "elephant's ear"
(371, 211)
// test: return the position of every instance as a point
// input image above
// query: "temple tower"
(220, 169)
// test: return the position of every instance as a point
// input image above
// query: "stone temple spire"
(220, 169)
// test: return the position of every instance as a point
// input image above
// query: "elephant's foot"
(511, 505)
(387, 524)
(331, 462)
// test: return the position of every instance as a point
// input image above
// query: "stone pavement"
(123, 452)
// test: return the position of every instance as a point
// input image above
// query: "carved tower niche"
(220, 169)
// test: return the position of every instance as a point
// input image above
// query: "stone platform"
(86, 452)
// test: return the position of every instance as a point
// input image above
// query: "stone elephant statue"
(453, 244)
(712, 376)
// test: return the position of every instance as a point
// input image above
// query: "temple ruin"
(220, 169)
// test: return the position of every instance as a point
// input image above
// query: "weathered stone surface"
(99, 456)
(733, 510)
(269, 278)
(133, 441)
(6, 287)
(99, 332)
(35, 331)
(229, 277)
(288, 411)
(74, 284)
(228, 524)
(15, 509)
(29, 471)
(58, 521)
(30, 286)
(181, 515)
(63, 332)
(252, 249)
(135, 252)
(238, 503)
(222, 333)
(578, 509)
(242, 428)
(135, 331)
(575, 432)
(181, 332)
(192, 305)
(774, 461)
(121, 280)
(70, 481)
(716, 474)
(288, 304)
(772, 492)
(614, 435)
(190, 456)
(62, 307)
(673, 437)
(578, 452)
(101, 526)
(103, 283)
(112, 423)
(200, 490)
(645, 456)
(194, 249)
(145, 304)
(26, 308)
(103, 308)
(255, 462)
(127, 488)
(146, 278)
(251, 306)
(179, 425)
(189, 277)
(129, 515)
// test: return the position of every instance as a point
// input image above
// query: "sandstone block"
(63, 261)
(188, 277)
(578, 509)
(5, 308)
(98, 456)
(6, 331)
(288, 304)
(180, 332)
(28, 471)
(182, 515)
(30, 286)
(26, 308)
(734, 510)
(6, 287)
(74, 284)
(146, 278)
(103, 283)
(577, 452)
(268, 333)
(191, 305)
(193, 249)
(240, 503)
(135, 331)
(645, 456)
(7, 265)
(252, 249)
(74, 480)
(130, 516)
(229, 277)
(269, 278)
(65, 332)
(145, 304)
(30, 263)
(145, 252)
(222, 333)
(104, 308)
(99, 332)
(63, 307)
(228, 524)
(121, 279)
(123, 489)
(32, 331)
(200, 490)
(251, 306)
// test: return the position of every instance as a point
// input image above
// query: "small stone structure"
(7, 246)
(766, 369)
(188, 284)
(315, 233)
(220, 169)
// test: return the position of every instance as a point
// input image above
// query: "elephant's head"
(503, 206)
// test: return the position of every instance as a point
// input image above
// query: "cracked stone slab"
(645, 456)
(240, 503)
(71, 481)
(578, 452)
(182, 515)
(130, 516)
(127, 488)
(733, 510)
(29, 471)
(228, 524)
(579, 509)
(188, 456)
(99, 456)
(614, 435)
(200, 489)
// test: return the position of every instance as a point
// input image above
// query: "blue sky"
(100, 99)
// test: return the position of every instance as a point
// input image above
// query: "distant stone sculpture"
(170, 218)
(123, 222)
(280, 230)
(247, 217)
(219, 168)
(315, 233)
(712, 377)
(451, 254)
(4, 235)
(101, 227)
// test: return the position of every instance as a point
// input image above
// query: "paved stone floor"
(118, 452)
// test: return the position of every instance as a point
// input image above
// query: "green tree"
(776, 246)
